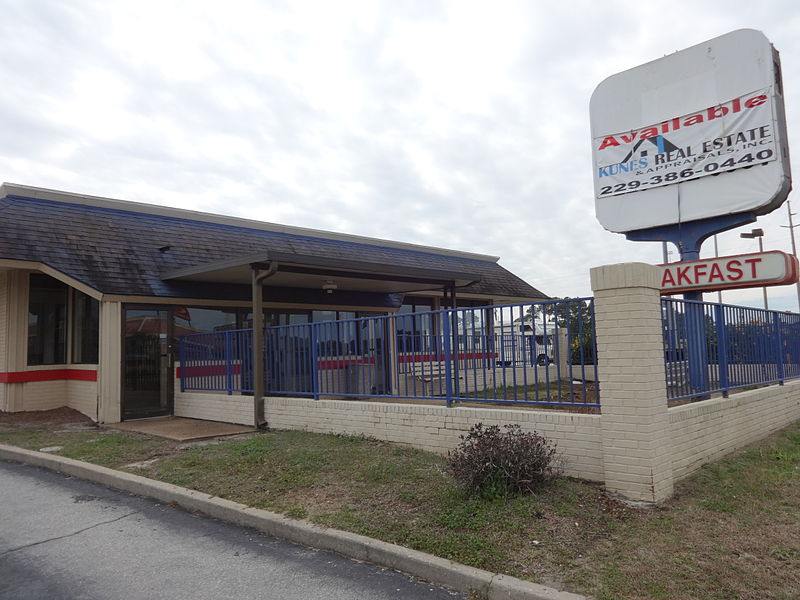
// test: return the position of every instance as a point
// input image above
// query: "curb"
(425, 566)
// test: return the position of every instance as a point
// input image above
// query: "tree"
(577, 318)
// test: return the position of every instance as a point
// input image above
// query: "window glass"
(318, 316)
(190, 319)
(85, 328)
(414, 331)
(348, 333)
(326, 334)
(47, 321)
(293, 318)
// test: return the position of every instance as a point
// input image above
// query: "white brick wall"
(43, 395)
(82, 396)
(437, 428)
(214, 407)
(46, 395)
(3, 335)
(706, 431)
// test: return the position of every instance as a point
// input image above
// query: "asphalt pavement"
(65, 538)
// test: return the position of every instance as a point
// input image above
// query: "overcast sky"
(456, 124)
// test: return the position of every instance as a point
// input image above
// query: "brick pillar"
(109, 371)
(635, 422)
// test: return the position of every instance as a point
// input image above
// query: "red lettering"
(682, 274)
(753, 262)
(716, 112)
(609, 141)
(716, 273)
(667, 278)
(755, 101)
(649, 132)
(699, 271)
(735, 273)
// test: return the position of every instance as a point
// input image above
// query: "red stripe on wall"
(208, 371)
(436, 357)
(344, 362)
(215, 370)
(54, 375)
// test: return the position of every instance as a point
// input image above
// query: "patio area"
(182, 429)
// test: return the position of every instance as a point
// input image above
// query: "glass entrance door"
(146, 363)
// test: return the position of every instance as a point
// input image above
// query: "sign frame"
(789, 275)
(700, 82)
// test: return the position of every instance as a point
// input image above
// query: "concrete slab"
(181, 429)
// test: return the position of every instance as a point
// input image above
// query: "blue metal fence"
(219, 361)
(534, 353)
(711, 348)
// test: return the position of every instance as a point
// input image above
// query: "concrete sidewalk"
(181, 429)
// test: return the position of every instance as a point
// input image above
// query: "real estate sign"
(696, 134)
(732, 135)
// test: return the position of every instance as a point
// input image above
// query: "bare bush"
(494, 462)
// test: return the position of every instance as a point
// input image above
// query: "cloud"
(454, 124)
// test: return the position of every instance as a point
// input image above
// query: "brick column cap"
(625, 275)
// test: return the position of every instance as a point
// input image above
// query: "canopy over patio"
(285, 269)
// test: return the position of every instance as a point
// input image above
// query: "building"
(95, 291)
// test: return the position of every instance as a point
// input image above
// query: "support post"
(260, 272)
(563, 354)
(229, 362)
(258, 349)
(689, 237)
(448, 357)
(778, 345)
(722, 349)
(314, 367)
(634, 421)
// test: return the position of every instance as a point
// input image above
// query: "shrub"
(492, 462)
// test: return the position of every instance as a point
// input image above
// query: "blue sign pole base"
(688, 237)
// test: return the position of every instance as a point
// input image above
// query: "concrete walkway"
(181, 429)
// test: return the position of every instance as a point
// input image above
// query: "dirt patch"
(43, 419)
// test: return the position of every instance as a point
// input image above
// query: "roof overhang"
(314, 272)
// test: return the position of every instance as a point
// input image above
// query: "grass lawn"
(731, 531)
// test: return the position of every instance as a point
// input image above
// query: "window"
(47, 321)
(414, 331)
(335, 339)
(85, 328)
(190, 319)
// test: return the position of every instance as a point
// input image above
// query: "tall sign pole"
(794, 245)
(690, 145)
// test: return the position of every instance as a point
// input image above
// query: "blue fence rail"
(710, 348)
(219, 361)
(534, 353)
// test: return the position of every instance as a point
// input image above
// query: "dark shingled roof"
(116, 251)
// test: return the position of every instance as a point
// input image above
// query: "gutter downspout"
(259, 274)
